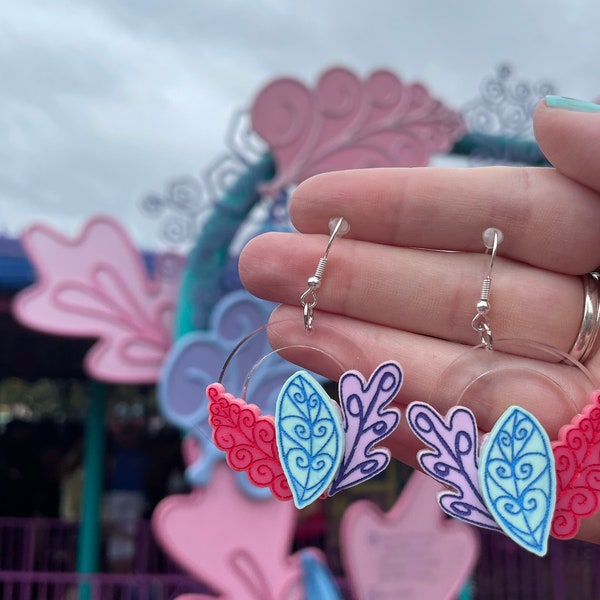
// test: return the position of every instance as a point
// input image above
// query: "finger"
(568, 132)
(590, 529)
(441, 373)
(548, 220)
(423, 292)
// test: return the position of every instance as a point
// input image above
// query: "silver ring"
(590, 323)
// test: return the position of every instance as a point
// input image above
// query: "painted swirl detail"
(367, 421)
(452, 460)
(310, 437)
(248, 439)
(577, 456)
(518, 480)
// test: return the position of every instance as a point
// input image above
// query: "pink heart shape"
(236, 545)
(413, 551)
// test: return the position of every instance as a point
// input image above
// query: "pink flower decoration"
(97, 286)
(347, 123)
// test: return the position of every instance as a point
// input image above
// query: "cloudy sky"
(105, 101)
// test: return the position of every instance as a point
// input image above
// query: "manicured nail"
(571, 104)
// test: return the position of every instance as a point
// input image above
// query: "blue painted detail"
(319, 583)
(518, 480)
(310, 437)
(367, 420)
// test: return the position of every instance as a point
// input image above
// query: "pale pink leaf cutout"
(412, 551)
(347, 123)
(237, 545)
(97, 286)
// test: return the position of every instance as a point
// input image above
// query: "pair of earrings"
(515, 480)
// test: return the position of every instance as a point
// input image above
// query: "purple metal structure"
(38, 556)
(37, 560)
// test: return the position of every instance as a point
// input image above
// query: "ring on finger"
(585, 343)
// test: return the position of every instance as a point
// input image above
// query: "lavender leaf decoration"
(452, 460)
(366, 421)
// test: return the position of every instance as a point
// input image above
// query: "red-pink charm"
(577, 456)
(248, 439)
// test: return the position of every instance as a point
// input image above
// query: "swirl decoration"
(518, 479)
(184, 207)
(513, 489)
(504, 110)
(314, 451)
(248, 439)
(367, 421)
(577, 457)
(310, 437)
(452, 460)
(347, 123)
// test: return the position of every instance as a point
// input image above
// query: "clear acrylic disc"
(544, 380)
(255, 372)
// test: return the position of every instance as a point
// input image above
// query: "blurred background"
(132, 109)
(102, 101)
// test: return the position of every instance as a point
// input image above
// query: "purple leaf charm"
(366, 422)
(452, 460)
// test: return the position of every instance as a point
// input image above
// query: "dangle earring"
(517, 481)
(312, 447)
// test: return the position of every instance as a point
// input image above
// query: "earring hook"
(492, 238)
(338, 227)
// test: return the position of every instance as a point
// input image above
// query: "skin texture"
(390, 293)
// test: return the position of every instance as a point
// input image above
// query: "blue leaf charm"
(518, 480)
(310, 437)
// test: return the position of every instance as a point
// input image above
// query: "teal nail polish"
(571, 104)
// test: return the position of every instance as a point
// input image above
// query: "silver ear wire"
(492, 238)
(308, 300)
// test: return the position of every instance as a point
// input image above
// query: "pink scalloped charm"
(248, 439)
(347, 123)
(577, 458)
(97, 286)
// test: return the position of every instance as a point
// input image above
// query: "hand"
(388, 293)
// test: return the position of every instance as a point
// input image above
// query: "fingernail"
(571, 104)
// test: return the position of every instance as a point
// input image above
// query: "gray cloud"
(102, 101)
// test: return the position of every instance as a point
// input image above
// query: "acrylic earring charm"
(312, 446)
(310, 437)
(509, 482)
(322, 453)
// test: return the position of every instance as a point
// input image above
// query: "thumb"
(568, 132)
